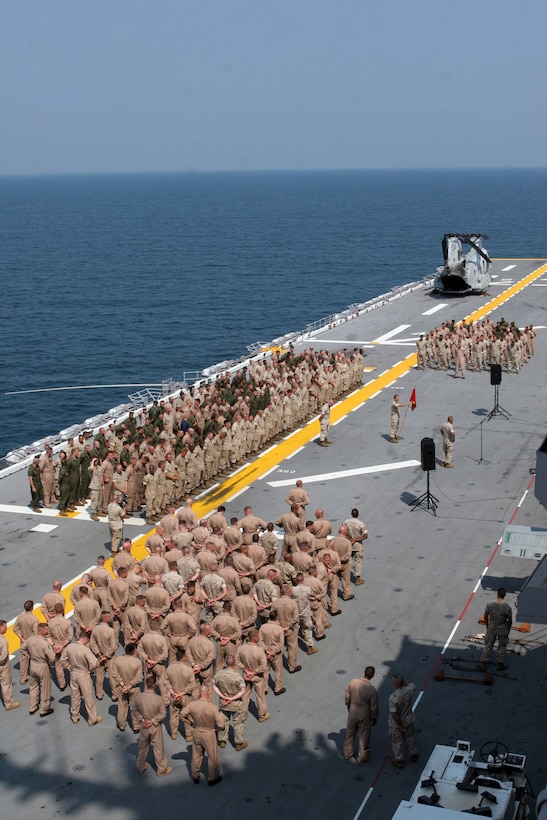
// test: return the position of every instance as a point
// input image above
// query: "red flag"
(413, 400)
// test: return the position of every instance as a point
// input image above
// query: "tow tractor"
(454, 783)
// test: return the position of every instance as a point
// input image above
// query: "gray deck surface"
(420, 572)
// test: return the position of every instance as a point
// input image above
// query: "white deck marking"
(16, 508)
(293, 454)
(81, 514)
(390, 335)
(403, 342)
(262, 477)
(132, 521)
(349, 344)
(376, 468)
(449, 639)
(509, 267)
(44, 528)
(365, 800)
(435, 309)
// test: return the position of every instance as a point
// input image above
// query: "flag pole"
(400, 430)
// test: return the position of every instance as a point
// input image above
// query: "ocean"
(136, 278)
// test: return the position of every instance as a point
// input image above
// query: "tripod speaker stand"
(427, 500)
(495, 379)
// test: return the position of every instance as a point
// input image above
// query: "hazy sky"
(152, 85)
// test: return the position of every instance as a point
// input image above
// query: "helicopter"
(463, 272)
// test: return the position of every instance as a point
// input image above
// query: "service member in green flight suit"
(64, 484)
(35, 481)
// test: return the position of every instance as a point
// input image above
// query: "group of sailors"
(476, 346)
(160, 454)
(215, 603)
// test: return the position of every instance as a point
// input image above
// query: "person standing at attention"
(449, 437)
(401, 721)
(5, 671)
(498, 619)
(324, 422)
(362, 703)
(395, 417)
(36, 488)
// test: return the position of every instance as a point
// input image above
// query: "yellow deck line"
(279, 452)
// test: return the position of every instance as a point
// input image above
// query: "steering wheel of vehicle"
(493, 751)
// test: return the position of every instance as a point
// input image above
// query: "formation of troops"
(213, 618)
(475, 346)
(175, 448)
(218, 611)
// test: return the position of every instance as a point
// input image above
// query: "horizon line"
(198, 172)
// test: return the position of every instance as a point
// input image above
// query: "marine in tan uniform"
(200, 653)
(244, 608)
(401, 721)
(135, 621)
(330, 575)
(251, 659)
(47, 472)
(421, 352)
(26, 624)
(100, 578)
(357, 533)
(249, 525)
(215, 589)
(118, 598)
(318, 604)
(182, 687)
(324, 424)
(148, 713)
(50, 599)
(87, 612)
(232, 579)
(153, 651)
(302, 560)
(116, 514)
(342, 545)
(204, 717)
(226, 631)
(449, 437)
(298, 495)
(291, 524)
(178, 627)
(125, 677)
(95, 488)
(61, 633)
(229, 685)
(498, 618)
(158, 602)
(289, 618)
(265, 592)
(81, 663)
(104, 645)
(303, 595)
(272, 638)
(41, 657)
(6, 684)
(320, 529)
(269, 539)
(395, 417)
(362, 703)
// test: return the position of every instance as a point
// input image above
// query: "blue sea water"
(111, 279)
